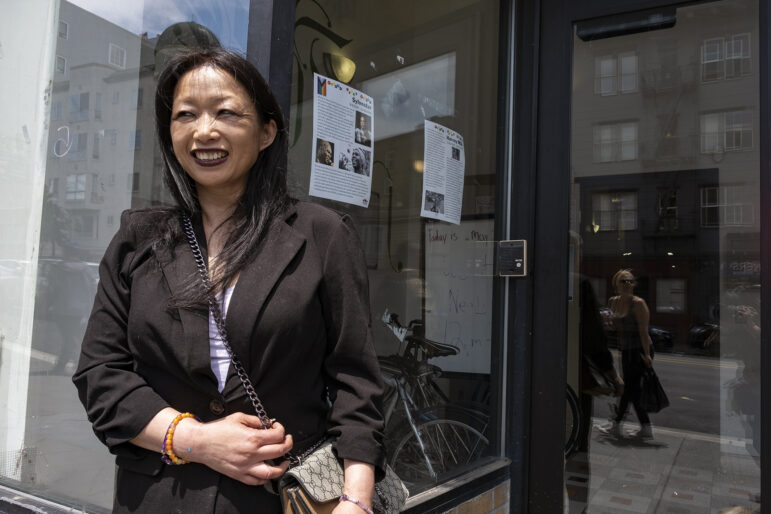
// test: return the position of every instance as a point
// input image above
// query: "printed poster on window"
(343, 142)
(444, 163)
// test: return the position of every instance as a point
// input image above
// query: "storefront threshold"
(13, 501)
(456, 483)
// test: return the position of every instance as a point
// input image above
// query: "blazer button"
(216, 407)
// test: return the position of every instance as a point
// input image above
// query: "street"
(698, 389)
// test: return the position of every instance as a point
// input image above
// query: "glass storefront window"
(417, 61)
(679, 212)
(98, 157)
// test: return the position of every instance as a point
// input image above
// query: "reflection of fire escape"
(664, 89)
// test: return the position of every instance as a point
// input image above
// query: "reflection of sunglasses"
(628, 281)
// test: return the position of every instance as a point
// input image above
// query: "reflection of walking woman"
(630, 318)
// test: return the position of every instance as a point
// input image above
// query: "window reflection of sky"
(228, 19)
(412, 94)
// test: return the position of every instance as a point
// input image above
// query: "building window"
(134, 182)
(615, 74)
(61, 64)
(728, 57)
(135, 139)
(667, 209)
(97, 106)
(96, 193)
(726, 205)
(670, 295)
(115, 97)
(75, 187)
(110, 219)
(56, 111)
(116, 56)
(79, 107)
(95, 146)
(712, 59)
(615, 142)
(79, 144)
(738, 61)
(64, 30)
(614, 211)
(112, 136)
(729, 131)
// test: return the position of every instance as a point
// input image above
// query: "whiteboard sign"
(459, 292)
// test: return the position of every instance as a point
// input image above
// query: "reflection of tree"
(302, 67)
(53, 228)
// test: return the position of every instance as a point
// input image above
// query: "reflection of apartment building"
(663, 135)
(101, 133)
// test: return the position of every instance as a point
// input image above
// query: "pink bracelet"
(345, 498)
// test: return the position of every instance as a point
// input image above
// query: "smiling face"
(216, 132)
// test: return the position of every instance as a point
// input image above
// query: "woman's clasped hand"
(237, 446)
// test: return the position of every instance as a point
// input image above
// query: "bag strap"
(216, 312)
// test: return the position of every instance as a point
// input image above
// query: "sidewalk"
(677, 472)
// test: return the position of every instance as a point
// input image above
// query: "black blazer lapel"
(255, 283)
(195, 323)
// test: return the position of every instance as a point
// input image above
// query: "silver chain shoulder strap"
(216, 313)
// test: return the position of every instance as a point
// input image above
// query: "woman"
(359, 162)
(631, 317)
(296, 306)
(362, 133)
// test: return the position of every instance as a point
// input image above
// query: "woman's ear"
(268, 134)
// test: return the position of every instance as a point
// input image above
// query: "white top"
(220, 359)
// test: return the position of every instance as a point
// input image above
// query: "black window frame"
(550, 162)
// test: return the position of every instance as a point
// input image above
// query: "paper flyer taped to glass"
(343, 142)
(444, 163)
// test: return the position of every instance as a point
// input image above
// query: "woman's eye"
(182, 115)
(226, 112)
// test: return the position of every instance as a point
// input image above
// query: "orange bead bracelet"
(167, 450)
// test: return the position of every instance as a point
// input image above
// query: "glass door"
(665, 261)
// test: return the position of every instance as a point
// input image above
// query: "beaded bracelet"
(345, 498)
(167, 452)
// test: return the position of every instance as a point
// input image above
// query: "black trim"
(258, 35)
(505, 101)
(455, 497)
(270, 41)
(550, 259)
(527, 47)
(764, 21)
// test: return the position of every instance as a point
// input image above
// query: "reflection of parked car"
(65, 294)
(705, 337)
(661, 338)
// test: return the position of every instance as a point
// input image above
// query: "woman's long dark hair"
(265, 196)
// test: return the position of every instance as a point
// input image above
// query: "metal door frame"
(541, 209)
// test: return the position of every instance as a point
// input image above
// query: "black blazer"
(298, 319)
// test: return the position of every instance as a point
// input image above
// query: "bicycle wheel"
(572, 422)
(447, 446)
